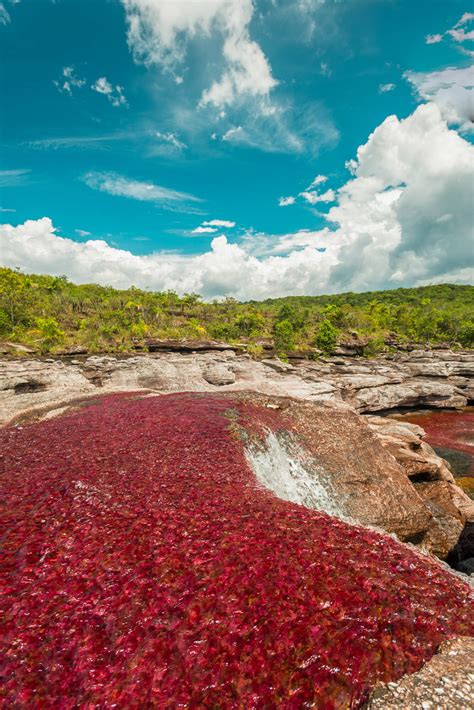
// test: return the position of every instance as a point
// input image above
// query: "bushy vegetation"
(50, 314)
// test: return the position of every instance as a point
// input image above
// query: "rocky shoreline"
(419, 379)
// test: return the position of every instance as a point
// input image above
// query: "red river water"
(143, 567)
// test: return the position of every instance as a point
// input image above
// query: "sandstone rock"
(359, 476)
(446, 682)
(446, 526)
(7, 348)
(278, 365)
(218, 374)
(189, 346)
(74, 350)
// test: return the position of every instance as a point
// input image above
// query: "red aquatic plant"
(143, 567)
(448, 429)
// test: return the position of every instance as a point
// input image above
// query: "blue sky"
(131, 124)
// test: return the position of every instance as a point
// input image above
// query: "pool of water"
(451, 434)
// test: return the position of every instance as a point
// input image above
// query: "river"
(451, 434)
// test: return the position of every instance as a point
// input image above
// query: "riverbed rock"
(446, 682)
(432, 479)
(218, 374)
(438, 379)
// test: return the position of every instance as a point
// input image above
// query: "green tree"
(327, 336)
(284, 336)
(50, 333)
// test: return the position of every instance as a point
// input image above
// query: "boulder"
(218, 374)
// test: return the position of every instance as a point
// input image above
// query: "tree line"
(50, 314)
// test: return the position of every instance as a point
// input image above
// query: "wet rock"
(462, 554)
(361, 478)
(446, 682)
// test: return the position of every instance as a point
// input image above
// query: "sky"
(241, 148)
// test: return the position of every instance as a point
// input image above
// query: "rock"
(446, 682)
(431, 478)
(74, 350)
(363, 481)
(7, 348)
(411, 393)
(464, 548)
(218, 374)
(188, 346)
(278, 365)
(447, 524)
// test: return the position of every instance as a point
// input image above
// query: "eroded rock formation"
(417, 379)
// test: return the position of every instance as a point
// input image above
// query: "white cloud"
(451, 89)
(121, 186)
(433, 39)
(219, 223)
(114, 93)
(204, 230)
(82, 233)
(461, 35)
(159, 30)
(318, 180)
(385, 88)
(69, 81)
(313, 197)
(171, 139)
(13, 178)
(286, 201)
(458, 33)
(4, 15)
(403, 218)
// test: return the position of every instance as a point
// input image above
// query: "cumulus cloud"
(318, 180)
(404, 217)
(114, 93)
(69, 81)
(433, 39)
(121, 186)
(458, 33)
(451, 89)
(313, 197)
(158, 32)
(311, 194)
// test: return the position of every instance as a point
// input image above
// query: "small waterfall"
(279, 467)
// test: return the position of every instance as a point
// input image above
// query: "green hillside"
(50, 314)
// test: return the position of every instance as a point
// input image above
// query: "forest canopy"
(50, 314)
